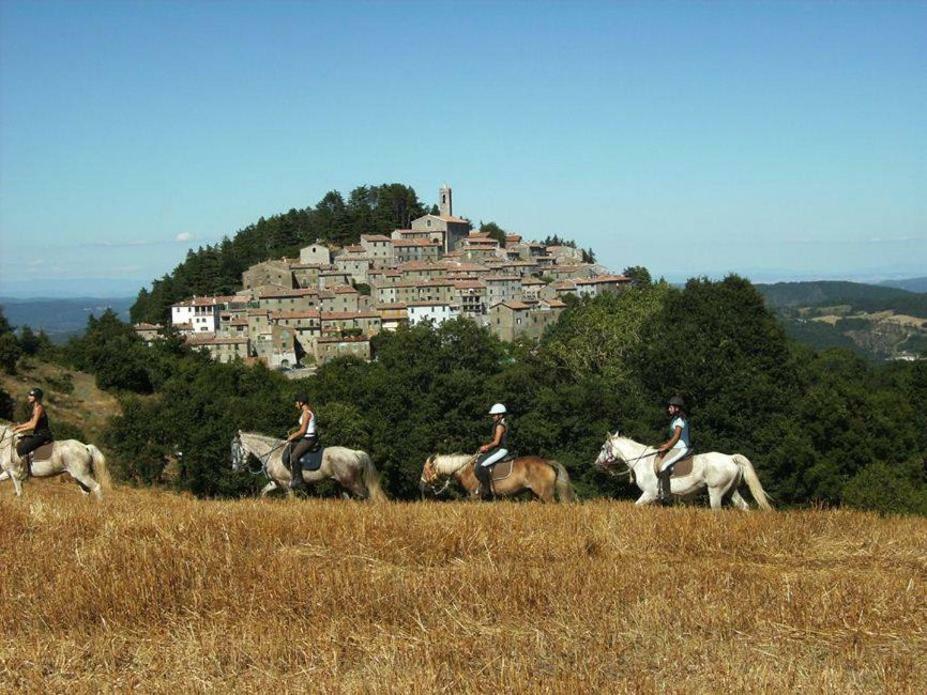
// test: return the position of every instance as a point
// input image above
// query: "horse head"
(609, 455)
(239, 454)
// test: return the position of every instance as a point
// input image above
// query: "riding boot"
(666, 497)
(485, 477)
(296, 473)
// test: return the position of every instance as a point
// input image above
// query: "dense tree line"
(217, 269)
(820, 427)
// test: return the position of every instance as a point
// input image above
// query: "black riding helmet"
(37, 393)
(677, 401)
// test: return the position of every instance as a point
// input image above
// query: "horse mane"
(263, 438)
(446, 464)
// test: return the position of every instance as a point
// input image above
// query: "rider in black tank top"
(41, 432)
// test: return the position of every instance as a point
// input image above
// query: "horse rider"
(674, 449)
(302, 440)
(38, 423)
(494, 451)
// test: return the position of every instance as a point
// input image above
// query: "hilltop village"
(330, 301)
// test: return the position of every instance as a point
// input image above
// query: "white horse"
(81, 461)
(720, 473)
(351, 468)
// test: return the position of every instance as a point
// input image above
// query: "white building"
(435, 311)
(200, 313)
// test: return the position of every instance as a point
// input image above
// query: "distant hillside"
(76, 407)
(858, 296)
(874, 321)
(61, 318)
(911, 284)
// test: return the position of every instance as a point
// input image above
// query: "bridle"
(447, 477)
(611, 459)
(243, 453)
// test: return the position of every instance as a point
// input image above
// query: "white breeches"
(672, 456)
(497, 456)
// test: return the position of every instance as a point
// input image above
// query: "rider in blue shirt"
(676, 448)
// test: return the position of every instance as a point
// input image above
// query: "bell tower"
(445, 202)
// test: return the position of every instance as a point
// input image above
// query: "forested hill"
(859, 296)
(217, 269)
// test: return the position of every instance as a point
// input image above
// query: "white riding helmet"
(497, 409)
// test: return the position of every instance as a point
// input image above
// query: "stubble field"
(155, 592)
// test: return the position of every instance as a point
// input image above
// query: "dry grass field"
(155, 592)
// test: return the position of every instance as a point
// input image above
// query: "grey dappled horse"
(84, 462)
(351, 468)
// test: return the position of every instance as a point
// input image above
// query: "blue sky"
(778, 140)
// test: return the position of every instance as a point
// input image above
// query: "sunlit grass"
(160, 592)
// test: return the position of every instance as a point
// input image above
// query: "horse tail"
(100, 471)
(753, 482)
(371, 479)
(564, 488)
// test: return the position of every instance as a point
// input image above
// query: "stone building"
(223, 349)
(328, 348)
(601, 284)
(471, 296)
(501, 288)
(378, 248)
(512, 319)
(289, 300)
(452, 229)
(405, 250)
(276, 273)
(340, 323)
(316, 253)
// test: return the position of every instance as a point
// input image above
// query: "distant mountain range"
(911, 285)
(61, 318)
(877, 321)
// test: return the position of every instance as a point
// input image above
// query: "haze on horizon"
(774, 140)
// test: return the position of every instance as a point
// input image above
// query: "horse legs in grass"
(739, 501)
(85, 480)
(267, 489)
(646, 498)
(715, 497)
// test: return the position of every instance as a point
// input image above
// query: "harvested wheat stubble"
(154, 592)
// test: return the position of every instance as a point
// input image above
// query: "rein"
(629, 471)
(263, 459)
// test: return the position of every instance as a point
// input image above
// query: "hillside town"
(329, 302)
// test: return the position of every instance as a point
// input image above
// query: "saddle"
(312, 459)
(503, 469)
(680, 469)
(43, 453)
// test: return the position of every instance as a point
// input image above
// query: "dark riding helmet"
(37, 393)
(302, 398)
(677, 401)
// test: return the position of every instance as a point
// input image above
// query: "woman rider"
(302, 440)
(41, 432)
(494, 451)
(676, 448)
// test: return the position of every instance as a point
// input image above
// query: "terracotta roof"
(374, 237)
(553, 303)
(147, 326)
(517, 306)
(352, 339)
(563, 285)
(199, 301)
(344, 289)
(212, 339)
(470, 285)
(532, 281)
(603, 280)
(238, 322)
(345, 315)
(415, 242)
(429, 302)
(500, 278)
(282, 315)
(397, 305)
(278, 294)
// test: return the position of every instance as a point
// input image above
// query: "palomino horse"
(81, 461)
(547, 479)
(720, 473)
(351, 468)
